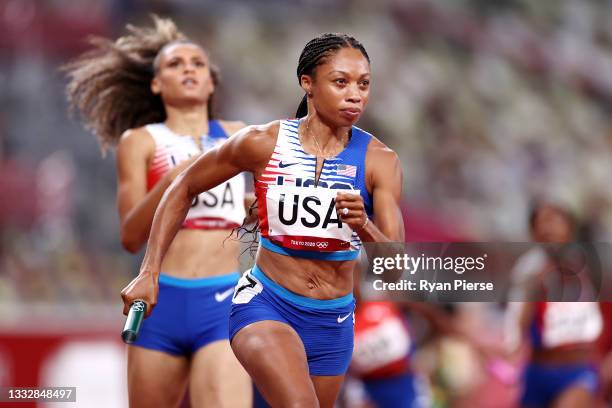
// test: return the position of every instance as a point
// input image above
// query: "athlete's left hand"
(354, 215)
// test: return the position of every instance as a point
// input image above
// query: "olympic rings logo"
(322, 245)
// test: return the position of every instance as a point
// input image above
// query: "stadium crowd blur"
(488, 104)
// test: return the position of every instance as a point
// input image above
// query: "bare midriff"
(201, 253)
(313, 278)
(583, 353)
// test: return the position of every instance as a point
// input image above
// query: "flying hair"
(110, 85)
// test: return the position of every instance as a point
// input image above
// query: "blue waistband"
(326, 256)
(298, 299)
(199, 282)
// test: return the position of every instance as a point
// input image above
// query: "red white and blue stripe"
(289, 165)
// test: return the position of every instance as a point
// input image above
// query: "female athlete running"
(149, 94)
(319, 180)
(561, 371)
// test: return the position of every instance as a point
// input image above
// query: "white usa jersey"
(219, 208)
(297, 216)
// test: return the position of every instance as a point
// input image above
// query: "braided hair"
(110, 85)
(316, 53)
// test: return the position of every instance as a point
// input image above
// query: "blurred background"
(489, 104)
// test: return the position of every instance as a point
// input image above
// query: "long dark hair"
(315, 53)
(110, 85)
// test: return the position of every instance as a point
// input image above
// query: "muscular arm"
(247, 150)
(231, 128)
(384, 176)
(135, 205)
(387, 178)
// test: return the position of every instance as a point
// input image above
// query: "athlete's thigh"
(327, 389)
(575, 397)
(274, 356)
(155, 379)
(217, 379)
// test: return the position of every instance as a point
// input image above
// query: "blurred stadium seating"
(488, 104)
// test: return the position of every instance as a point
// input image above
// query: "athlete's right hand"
(144, 287)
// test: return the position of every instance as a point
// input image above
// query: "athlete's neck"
(188, 121)
(332, 139)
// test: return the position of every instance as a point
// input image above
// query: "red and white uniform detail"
(563, 324)
(293, 212)
(219, 208)
(382, 341)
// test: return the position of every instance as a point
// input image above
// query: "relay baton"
(133, 321)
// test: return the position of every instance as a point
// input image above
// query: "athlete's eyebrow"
(338, 71)
(175, 58)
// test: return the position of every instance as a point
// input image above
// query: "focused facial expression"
(340, 87)
(183, 75)
(552, 225)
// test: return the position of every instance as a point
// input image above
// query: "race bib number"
(380, 345)
(570, 322)
(305, 218)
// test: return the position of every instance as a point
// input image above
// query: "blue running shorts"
(325, 326)
(544, 383)
(393, 392)
(190, 314)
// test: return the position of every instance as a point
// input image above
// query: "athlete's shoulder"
(136, 146)
(270, 128)
(136, 138)
(381, 151)
(253, 145)
(383, 166)
(261, 133)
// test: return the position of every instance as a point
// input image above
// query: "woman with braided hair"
(319, 179)
(149, 95)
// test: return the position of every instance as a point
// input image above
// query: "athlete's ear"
(306, 83)
(156, 86)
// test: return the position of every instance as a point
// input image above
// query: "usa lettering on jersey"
(306, 218)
